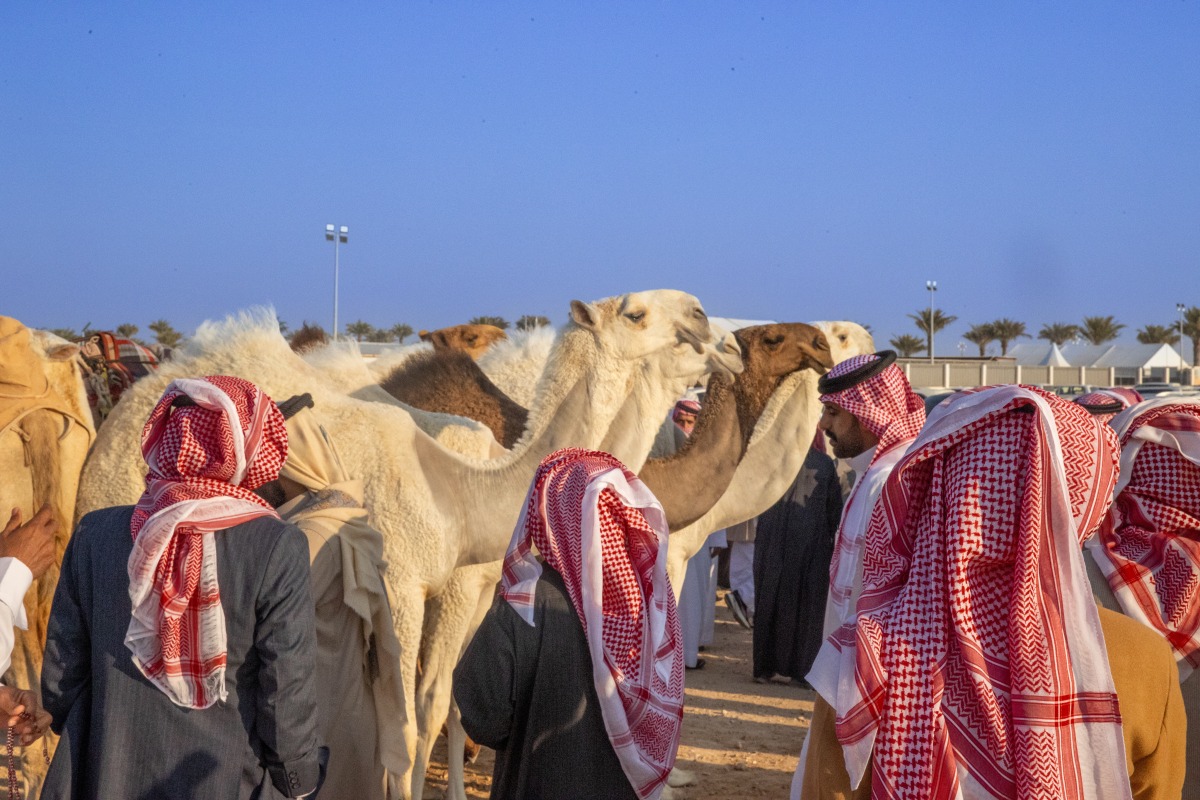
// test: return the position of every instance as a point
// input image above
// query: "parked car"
(1151, 389)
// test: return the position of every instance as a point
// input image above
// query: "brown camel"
(449, 381)
(470, 339)
(689, 482)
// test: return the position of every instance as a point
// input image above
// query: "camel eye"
(636, 316)
(773, 341)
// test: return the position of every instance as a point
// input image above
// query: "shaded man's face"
(686, 422)
(846, 435)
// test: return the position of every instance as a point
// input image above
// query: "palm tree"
(499, 322)
(940, 321)
(400, 331)
(1058, 333)
(982, 335)
(907, 345)
(164, 334)
(529, 322)
(1099, 330)
(1007, 330)
(128, 330)
(1191, 329)
(1158, 334)
(359, 330)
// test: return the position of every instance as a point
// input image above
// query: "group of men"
(971, 647)
(230, 635)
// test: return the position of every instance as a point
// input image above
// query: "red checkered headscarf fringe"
(205, 459)
(1149, 545)
(885, 403)
(599, 526)
(977, 666)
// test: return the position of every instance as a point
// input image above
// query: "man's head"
(685, 414)
(868, 403)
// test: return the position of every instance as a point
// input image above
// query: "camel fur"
(44, 439)
(472, 339)
(436, 509)
(450, 382)
(515, 364)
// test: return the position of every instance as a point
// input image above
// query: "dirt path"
(740, 738)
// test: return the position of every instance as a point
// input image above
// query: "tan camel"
(436, 509)
(777, 449)
(450, 382)
(687, 485)
(45, 431)
(472, 339)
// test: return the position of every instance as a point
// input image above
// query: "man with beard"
(976, 665)
(871, 415)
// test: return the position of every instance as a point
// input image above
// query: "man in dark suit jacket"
(166, 715)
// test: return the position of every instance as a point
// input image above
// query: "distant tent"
(1054, 358)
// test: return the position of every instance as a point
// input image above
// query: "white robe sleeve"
(15, 579)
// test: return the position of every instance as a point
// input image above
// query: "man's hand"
(32, 543)
(22, 712)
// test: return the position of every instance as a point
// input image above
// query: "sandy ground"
(740, 738)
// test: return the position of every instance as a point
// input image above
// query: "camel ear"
(584, 315)
(423, 335)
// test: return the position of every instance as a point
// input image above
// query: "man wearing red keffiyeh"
(575, 677)
(976, 666)
(181, 633)
(1145, 559)
(871, 415)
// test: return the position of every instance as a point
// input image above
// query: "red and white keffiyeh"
(1149, 544)
(599, 526)
(885, 403)
(977, 666)
(204, 461)
(1101, 399)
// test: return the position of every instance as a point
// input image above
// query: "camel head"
(637, 324)
(846, 339)
(781, 348)
(473, 340)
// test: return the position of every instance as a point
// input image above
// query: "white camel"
(436, 509)
(514, 364)
(777, 449)
(453, 615)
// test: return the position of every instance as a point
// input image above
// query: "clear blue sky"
(792, 160)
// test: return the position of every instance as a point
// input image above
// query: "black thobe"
(793, 546)
(528, 693)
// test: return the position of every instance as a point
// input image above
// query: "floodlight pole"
(1181, 308)
(337, 236)
(932, 287)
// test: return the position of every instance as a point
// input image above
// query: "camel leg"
(408, 612)
(456, 740)
(451, 618)
(456, 745)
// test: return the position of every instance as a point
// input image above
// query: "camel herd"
(447, 440)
